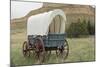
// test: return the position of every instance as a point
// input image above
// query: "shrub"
(91, 28)
(77, 29)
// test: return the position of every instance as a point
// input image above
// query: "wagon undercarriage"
(43, 46)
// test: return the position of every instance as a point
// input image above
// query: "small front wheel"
(25, 49)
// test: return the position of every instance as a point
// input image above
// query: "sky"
(20, 9)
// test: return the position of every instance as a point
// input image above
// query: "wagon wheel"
(66, 50)
(25, 48)
(39, 49)
(63, 51)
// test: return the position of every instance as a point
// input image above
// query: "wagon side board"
(51, 41)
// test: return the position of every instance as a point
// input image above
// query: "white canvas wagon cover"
(44, 23)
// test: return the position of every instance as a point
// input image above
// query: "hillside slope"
(73, 13)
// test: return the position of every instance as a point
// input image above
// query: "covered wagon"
(46, 33)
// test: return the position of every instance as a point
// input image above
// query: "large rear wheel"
(66, 50)
(39, 49)
(63, 51)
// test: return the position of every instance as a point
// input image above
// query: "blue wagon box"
(51, 33)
